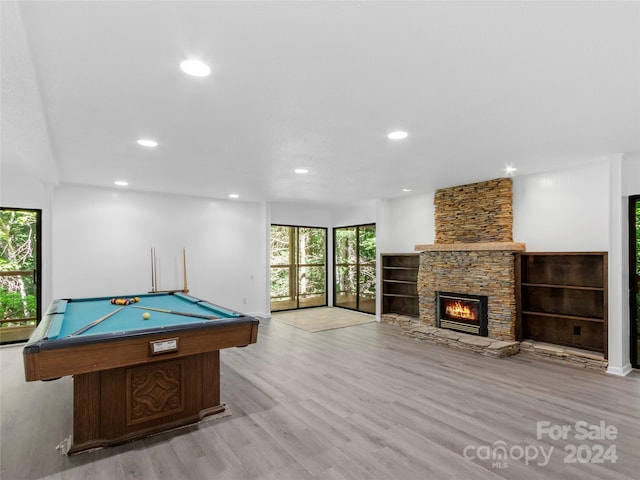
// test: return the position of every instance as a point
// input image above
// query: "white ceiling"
(540, 85)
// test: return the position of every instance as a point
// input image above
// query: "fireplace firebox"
(462, 312)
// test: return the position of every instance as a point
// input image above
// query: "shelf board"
(566, 287)
(560, 315)
(409, 282)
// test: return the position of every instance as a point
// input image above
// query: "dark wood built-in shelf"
(399, 283)
(569, 317)
(566, 287)
(562, 298)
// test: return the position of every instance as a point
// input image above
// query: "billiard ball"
(146, 315)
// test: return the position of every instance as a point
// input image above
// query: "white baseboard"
(620, 371)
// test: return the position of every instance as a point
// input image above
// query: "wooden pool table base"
(127, 403)
(138, 378)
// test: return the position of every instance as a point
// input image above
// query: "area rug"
(320, 319)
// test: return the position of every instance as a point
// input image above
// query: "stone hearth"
(493, 348)
(461, 341)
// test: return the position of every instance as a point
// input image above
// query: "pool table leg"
(122, 404)
(86, 408)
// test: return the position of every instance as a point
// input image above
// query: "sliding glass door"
(355, 267)
(298, 267)
(634, 277)
(19, 273)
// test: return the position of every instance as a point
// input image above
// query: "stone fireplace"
(473, 255)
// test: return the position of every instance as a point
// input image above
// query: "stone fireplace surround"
(474, 269)
(485, 268)
(473, 253)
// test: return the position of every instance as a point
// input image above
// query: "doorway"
(634, 277)
(298, 267)
(20, 267)
(355, 267)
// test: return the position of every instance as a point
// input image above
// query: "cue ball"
(146, 315)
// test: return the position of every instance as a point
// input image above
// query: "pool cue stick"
(153, 281)
(155, 271)
(184, 268)
(173, 312)
(95, 322)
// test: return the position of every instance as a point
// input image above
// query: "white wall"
(19, 190)
(360, 213)
(299, 215)
(410, 221)
(631, 174)
(102, 240)
(564, 210)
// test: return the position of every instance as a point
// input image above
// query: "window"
(19, 273)
(355, 267)
(634, 277)
(298, 267)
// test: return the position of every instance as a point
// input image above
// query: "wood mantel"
(470, 247)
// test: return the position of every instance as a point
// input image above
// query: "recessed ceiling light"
(147, 142)
(234, 195)
(407, 189)
(195, 68)
(301, 171)
(398, 135)
(510, 169)
(121, 183)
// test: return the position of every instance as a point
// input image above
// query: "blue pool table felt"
(72, 315)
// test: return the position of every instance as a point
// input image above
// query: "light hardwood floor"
(361, 402)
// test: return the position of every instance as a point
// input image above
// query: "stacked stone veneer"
(475, 213)
(490, 273)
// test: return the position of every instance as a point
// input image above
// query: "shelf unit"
(562, 298)
(400, 283)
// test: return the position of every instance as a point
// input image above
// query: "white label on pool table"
(164, 346)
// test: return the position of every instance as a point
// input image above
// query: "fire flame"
(460, 311)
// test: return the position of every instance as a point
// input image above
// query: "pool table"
(134, 376)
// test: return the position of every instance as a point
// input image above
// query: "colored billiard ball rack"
(124, 301)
